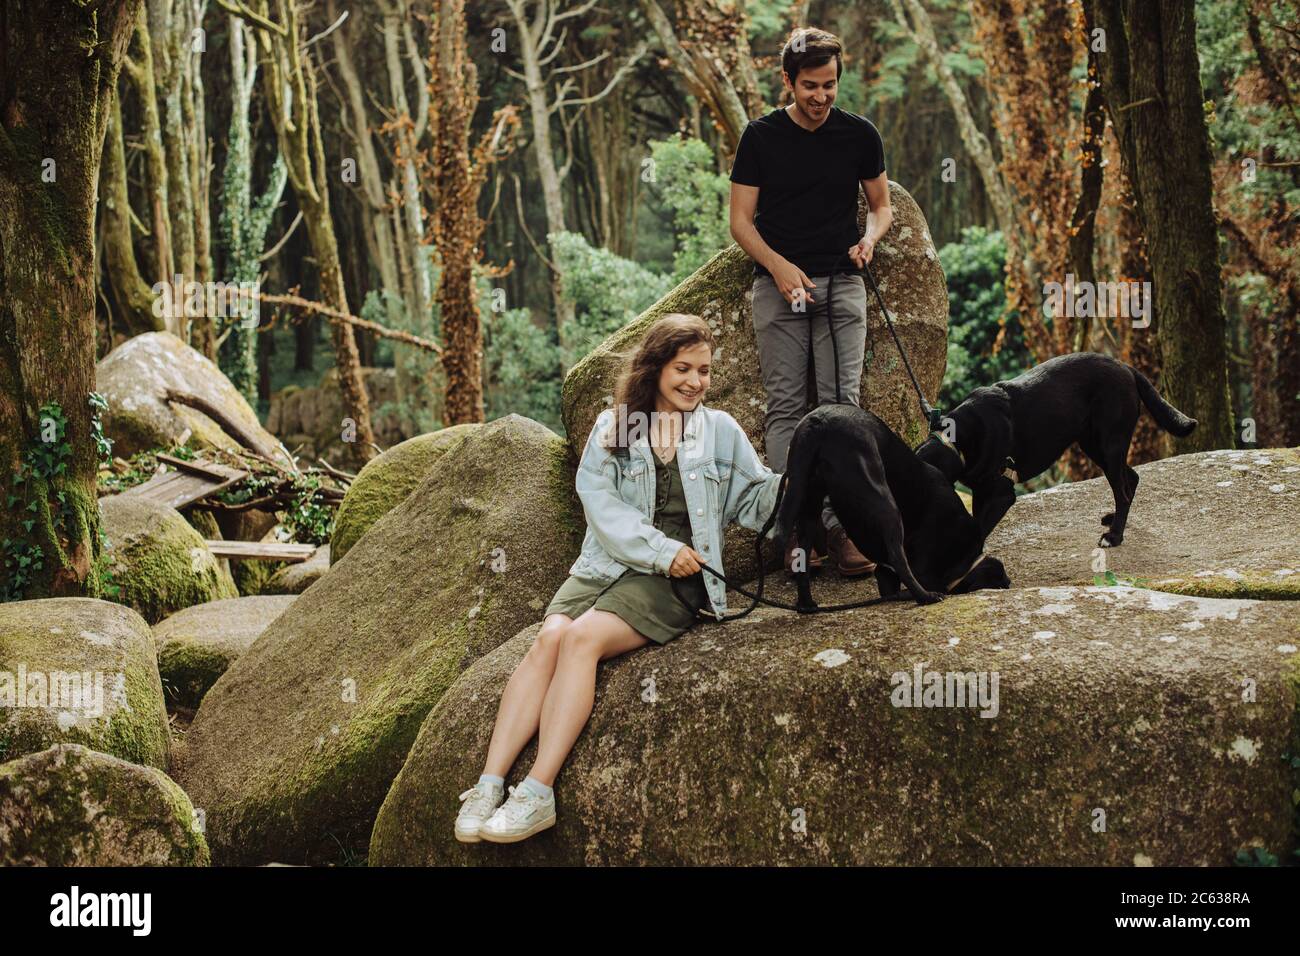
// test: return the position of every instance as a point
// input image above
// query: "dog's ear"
(994, 442)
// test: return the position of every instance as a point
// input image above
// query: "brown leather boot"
(815, 560)
(849, 561)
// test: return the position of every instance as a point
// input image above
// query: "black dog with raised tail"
(1013, 431)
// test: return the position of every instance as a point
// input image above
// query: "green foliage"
(1257, 857)
(140, 467)
(35, 488)
(1111, 580)
(22, 559)
(895, 77)
(103, 444)
(419, 381)
(522, 367)
(309, 519)
(977, 303)
(688, 184)
(607, 291)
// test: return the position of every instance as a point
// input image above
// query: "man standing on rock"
(794, 210)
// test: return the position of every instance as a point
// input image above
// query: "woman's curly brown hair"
(638, 383)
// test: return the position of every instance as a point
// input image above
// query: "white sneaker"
(479, 802)
(520, 817)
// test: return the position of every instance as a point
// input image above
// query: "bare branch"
(579, 66)
(337, 317)
(242, 11)
(609, 87)
(283, 239)
(328, 30)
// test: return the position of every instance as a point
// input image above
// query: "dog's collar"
(1009, 470)
(965, 574)
(943, 440)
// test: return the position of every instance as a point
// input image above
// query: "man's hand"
(861, 253)
(686, 563)
(789, 278)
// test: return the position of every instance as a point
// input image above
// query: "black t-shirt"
(808, 184)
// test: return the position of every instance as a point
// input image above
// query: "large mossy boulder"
(912, 284)
(384, 483)
(135, 378)
(1215, 524)
(1128, 727)
(73, 806)
(159, 562)
(293, 749)
(198, 644)
(77, 670)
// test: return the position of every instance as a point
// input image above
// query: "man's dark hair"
(809, 48)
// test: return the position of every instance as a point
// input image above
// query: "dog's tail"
(1166, 416)
(798, 474)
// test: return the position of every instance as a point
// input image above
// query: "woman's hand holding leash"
(686, 563)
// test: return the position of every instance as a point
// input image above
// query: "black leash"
(932, 416)
(757, 598)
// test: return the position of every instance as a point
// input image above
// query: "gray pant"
(782, 334)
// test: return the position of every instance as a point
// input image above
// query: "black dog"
(899, 511)
(1015, 430)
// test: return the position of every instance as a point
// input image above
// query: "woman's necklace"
(666, 450)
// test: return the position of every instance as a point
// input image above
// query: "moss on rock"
(778, 741)
(293, 749)
(384, 483)
(73, 806)
(1220, 524)
(198, 644)
(108, 694)
(160, 563)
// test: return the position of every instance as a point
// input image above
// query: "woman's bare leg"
(592, 638)
(519, 713)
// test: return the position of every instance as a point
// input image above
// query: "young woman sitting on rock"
(650, 518)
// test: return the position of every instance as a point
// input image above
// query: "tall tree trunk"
(1139, 347)
(169, 34)
(59, 62)
(289, 84)
(243, 222)
(706, 80)
(537, 92)
(139, 67)
(200, 164)
(456, 179)
(131, 294)
(1151, 80)
(541, 37)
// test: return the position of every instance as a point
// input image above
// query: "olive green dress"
(645, 601)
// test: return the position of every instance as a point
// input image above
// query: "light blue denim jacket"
(724, 481)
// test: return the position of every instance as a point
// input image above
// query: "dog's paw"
(809, 608)
(1107, 518)
(929, 597)
(1111, 539)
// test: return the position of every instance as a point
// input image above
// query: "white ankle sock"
(537, 787)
